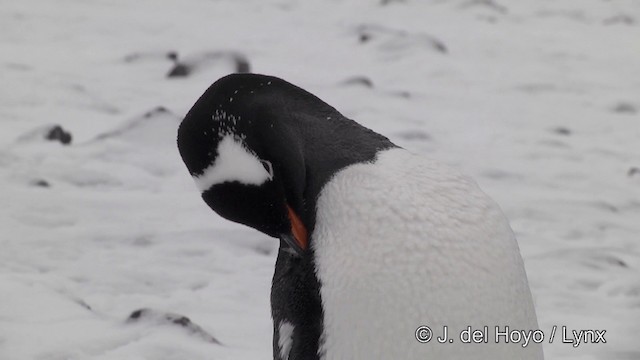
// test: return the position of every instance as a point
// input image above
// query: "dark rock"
(179, 70)
(40, 183)
(181, 320)
(83, 304)
(439, 45)
(159, 317)
(562, 131)
(364, 37)
(625, 108)
(398, 39)
(157, 55)
(187, 66)
(359, 80)
(601, 260)
(633, 171)
(402, 93)
(57, 133)
(135, 315)
(241, 63)
(618, 262)
(173, 56)
(158, 110)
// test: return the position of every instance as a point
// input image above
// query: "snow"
(233, 162)
(537, 100)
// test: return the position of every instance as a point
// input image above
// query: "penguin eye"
(267, 166)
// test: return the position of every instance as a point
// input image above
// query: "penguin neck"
(327, 142)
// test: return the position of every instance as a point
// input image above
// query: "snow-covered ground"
(538, 100)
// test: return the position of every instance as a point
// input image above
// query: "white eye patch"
(234, 163)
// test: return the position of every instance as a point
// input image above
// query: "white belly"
(406, 242)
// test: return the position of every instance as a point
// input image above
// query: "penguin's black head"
(244, 159)
(260, 149)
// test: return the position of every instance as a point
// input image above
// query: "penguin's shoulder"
(411, 189)
(414, 208)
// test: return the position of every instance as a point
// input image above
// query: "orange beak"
(299, 231)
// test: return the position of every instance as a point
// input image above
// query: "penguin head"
(260, 150)
(244, 160)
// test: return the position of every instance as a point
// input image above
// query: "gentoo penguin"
(376, 243)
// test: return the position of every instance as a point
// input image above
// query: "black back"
(307, 141)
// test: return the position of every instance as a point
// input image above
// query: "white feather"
(233, 163)
(285, 335)
(405, 242)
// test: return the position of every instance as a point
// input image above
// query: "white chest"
(406, 242)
